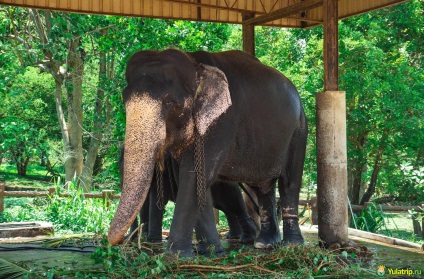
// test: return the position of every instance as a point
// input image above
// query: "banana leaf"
(9, 270)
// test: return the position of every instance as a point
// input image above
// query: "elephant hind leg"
(290, 183)
(227, 197)
(269, 234)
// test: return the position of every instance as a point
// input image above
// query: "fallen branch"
(214, 268)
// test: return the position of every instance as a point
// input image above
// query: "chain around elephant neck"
(199, 167)
(159, 183)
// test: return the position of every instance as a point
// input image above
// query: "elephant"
(226, 197)
(222, 116)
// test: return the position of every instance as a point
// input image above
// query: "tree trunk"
(419, 160)
(22, 165)
(74, 95)
(69, 170)
(359, 166)
(416, 224)
(377, 166)
(98, 126)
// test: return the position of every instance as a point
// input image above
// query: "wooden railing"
(106, 195)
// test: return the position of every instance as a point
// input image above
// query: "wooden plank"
(385, 239)
(285, 12)
(331, 50)
(248, 32)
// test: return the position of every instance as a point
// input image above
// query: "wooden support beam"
(248, 35)
(331, 49)
(285, 12)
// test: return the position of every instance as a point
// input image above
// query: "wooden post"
(331, 140)
(314, 208)
(331, 48)
(107, 197)
(248, 32)
(216, 214)
(416, 224)
(52, 191)
(2, 189)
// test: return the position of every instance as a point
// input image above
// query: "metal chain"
(199, 167)
(168, 167)
(159, 183)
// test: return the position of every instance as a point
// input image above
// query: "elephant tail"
(249, 195)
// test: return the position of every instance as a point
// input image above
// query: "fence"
(106, 195)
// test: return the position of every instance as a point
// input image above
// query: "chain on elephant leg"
(199, 158)
(291, 231)
(159, 183)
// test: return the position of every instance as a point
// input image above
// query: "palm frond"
(9, 270)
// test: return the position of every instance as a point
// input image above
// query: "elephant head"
(168, 97)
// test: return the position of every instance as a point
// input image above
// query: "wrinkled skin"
(226, 197)
(253, 127)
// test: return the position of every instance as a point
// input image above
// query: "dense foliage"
(47, 56)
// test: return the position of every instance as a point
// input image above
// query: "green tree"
(381, 71)
(27, 117)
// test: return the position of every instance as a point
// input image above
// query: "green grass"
(36, 178)
(400, 225)
(69, 215)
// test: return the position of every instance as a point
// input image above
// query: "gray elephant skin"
(226, 196)
(248, 120)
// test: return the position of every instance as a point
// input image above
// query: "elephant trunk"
(144, 138)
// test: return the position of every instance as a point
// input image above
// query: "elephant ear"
(212, 97)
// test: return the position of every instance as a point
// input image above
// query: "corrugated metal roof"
(295, 13)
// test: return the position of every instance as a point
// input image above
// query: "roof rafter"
(218, 7)
(285, 12)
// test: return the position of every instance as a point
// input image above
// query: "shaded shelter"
(330, 104)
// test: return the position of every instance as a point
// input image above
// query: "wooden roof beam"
(285, 12)
(211, 6)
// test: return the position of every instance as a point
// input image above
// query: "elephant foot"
(181, 253)
(291, 232)
(154, 239)
(209, 250)
(267, 240)
(182, 249)
(231, 235)
(248, 228)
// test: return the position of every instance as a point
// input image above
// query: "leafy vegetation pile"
(305, 261)
(132, 261)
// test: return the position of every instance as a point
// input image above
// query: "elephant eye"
(168, 101)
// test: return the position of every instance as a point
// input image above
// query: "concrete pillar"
(332, 167)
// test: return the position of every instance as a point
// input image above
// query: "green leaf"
(9, 270)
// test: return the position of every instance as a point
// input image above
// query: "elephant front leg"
(186, 213)
(269, 234)
(155, 214)
(206, 233)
